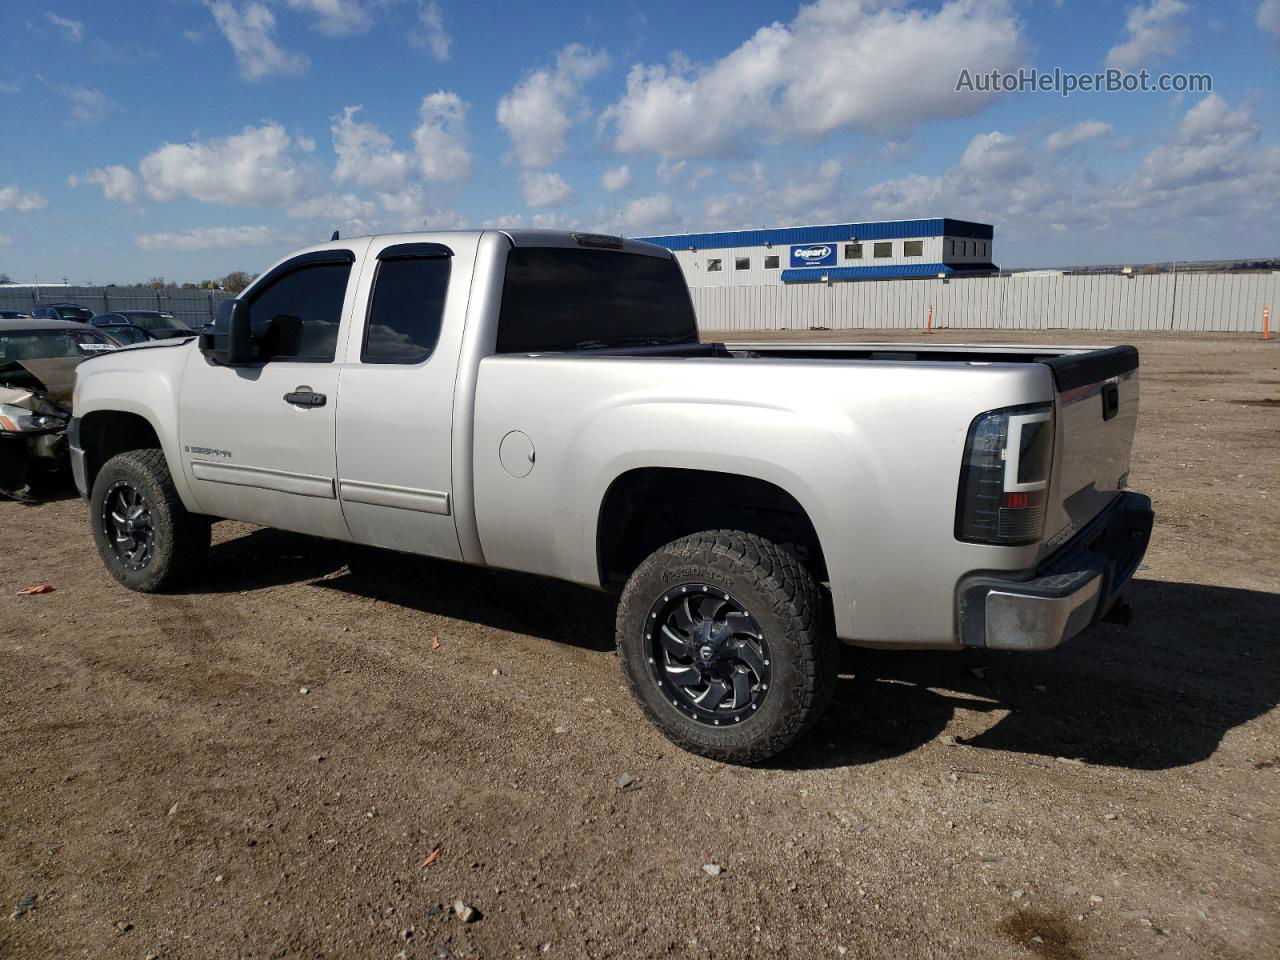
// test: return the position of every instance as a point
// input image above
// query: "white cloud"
(994, 180)
(117, 182)
(441, 137)
(89, 105)
(810, 195)
(804, 199)
(409, 202)
(193, 36)
(1155, 30)
(730, 210)
(10, 88)
(336, 18)
(5, 240)
(840, 64)
(551, 220)
(411, 211)
(337, 208)
(72, 30)
(994, 155)
(1215, 145)
(211, 238)
(616, 178)
(1269, 19)
(656, 210)
(251, 33)
(366, 156)
(430, 34)
(753, 176)
(678, 171)
(540, 110)
(23, 201)
(1061, 141)
(254, 168)
(545, 188)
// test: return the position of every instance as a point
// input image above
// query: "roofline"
(817, 226)
(864, 230)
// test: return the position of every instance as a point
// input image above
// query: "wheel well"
(644, 509)
(107, 433)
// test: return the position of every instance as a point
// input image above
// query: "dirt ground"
(168, 789)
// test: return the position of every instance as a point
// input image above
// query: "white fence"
(1163, 301)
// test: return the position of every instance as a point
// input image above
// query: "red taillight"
(1005, 478)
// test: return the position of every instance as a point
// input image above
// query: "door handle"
(305, 397)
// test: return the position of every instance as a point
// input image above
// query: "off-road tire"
(181, 538)
(791, 610)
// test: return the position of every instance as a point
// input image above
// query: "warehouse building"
(834, 253)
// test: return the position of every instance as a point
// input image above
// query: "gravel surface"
(293, 761)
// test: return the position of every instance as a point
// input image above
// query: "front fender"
(143, 382)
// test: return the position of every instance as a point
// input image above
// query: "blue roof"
(830, 233)
(889, 271)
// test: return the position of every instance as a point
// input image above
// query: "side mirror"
(228, 340)
(283, 336)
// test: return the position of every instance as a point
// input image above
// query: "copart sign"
(813, 255)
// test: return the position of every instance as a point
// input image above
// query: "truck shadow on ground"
(1198, 661)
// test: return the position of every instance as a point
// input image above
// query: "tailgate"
(1097, 411)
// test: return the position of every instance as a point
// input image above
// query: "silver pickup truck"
(541, 401)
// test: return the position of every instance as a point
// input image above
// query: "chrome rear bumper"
(1069, 593)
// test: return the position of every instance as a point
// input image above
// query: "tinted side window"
(405, 316)
(309, 303)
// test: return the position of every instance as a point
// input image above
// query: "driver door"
(258, 441)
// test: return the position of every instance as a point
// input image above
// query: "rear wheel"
(147, 539)
(726, 645)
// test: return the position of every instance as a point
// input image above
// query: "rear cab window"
(565, 298)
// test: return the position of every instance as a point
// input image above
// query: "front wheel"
(725, 643)
(147, 539)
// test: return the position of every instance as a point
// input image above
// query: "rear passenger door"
(395, 408)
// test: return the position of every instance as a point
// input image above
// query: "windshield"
(51, 344)
(156, 321)
(563, 298)
(82, 314)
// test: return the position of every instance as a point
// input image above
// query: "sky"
(189, 138)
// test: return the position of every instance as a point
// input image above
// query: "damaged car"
(37, 375)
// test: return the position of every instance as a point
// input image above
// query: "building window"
(713, 265)
(742, 263)
(951, 248)
(853, 251)
(986, 248)
(884, 249)
(913, 248)
(771, 263)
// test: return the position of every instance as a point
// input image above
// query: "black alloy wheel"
(128, 525)
(707, 654)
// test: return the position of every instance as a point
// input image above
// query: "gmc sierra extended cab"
(541, 401)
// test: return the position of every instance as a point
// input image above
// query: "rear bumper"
(1070, 591)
